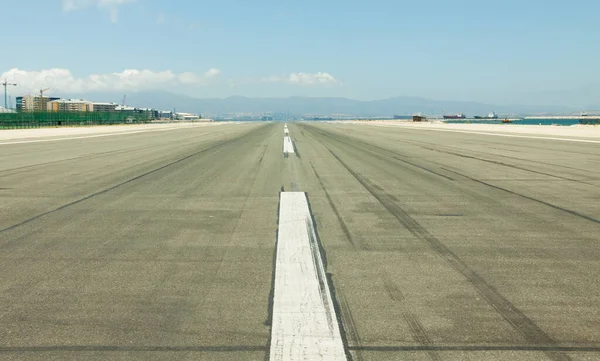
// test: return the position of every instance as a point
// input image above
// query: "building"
(30, 103)
(137, 113)
(187, 116)
(69, 105)
(104, 107)
(165, 114)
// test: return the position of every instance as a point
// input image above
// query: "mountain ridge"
(296, 105)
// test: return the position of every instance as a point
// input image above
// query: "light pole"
(5, 84)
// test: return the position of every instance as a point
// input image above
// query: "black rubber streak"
(508, 165)
(350, 329)
(218, 145)
(415, 327)
(574, 213)
(133, 349)
(329, 278)
(515, 317)
(528, 348)
(404, 348)
(396, 156)
(341, 222)
(269, 320)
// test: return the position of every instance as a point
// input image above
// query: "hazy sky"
(501, 51)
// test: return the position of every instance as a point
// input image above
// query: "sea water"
(561, 122)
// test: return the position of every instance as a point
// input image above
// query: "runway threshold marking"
(305, 325)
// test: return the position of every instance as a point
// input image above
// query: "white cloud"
(319, 78)
(62, 80)
(112, 6)
(212, 72)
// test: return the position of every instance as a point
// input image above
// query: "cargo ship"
(455, 116)
(492, 115)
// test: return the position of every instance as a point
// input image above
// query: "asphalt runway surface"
(437, 245)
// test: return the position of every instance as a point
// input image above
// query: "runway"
(437, 245)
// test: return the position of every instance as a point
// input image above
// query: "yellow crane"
(42, 99)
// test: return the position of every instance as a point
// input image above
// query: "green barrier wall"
(70, 119)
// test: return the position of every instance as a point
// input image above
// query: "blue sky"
(500, 52)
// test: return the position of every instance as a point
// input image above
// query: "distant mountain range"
(320, 106)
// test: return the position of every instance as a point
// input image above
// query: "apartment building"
(69, 105)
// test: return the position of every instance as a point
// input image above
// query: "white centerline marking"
(288, 146)
(305, 325)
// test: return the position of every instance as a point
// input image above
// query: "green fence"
(70, 119)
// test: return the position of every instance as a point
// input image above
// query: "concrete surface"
(38, 134)
(439, 245)
(304, 325)
(573, 131)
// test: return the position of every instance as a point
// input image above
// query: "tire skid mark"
(475, 158)
(355, 243)
(442, 166)
(214, 277)
(574, 213)
(417, 331)
(392, 288)
(262, 155)
(396, 156)
(529, 160)
(349, 326)
(111, 348)
(421, 145)
(315, 240)
(477, 348)
(514, 316)
(25, 168)
(130, 180)
(507, 165)
(522, 145)
(501, 163)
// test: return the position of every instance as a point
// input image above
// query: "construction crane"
(5, 84)
(42, 98)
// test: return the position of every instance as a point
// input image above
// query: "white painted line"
(94, 135)
(286, 131)
(518, 136)
(305, 325)
(496, 134)
(288, 146)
